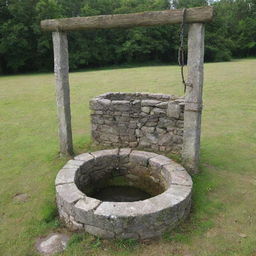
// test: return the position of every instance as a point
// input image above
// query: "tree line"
(25, 48)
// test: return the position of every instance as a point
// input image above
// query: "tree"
(24, 47)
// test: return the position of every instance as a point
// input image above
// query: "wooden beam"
(61, 68)
(193, 98)
(193, 15)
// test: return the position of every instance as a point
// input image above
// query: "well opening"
(119, 182)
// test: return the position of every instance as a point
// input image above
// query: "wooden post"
(61, 69)
(193, 98)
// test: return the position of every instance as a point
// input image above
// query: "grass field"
(223, 219)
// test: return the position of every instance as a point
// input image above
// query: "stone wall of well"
(143, 120)
(142, 219)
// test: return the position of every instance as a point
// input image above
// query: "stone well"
(167, 183)
(143, 120)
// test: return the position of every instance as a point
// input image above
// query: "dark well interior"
(116, 179)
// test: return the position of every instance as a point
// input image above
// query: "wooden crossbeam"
(193, 15)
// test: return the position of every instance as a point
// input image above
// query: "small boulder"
(21, 197)
(52, 244)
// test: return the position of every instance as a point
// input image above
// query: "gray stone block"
(124, 154)
(149, 103)
(180, 124)
(146, 110)
(158, 111)
(173, 110)
(97, 119)
(100, 104)
(151, 124)
(179, 176)
(162, 105)
(166, 123)
(160, 131)
(133, 144)
(73, 164)
(74, 225)
(84, 209)
(84, 157)
(99, 232)
(141, 157)
(165, 139)
(152, 138)
(121, 105)
(147, 130)
(157, 162)
(65, 176)
(67, 195)
(108, 138)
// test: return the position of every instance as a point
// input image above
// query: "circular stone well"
(123, 193)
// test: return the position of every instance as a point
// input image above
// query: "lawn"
(223, 219)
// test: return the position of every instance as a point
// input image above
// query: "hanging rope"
(181, 51)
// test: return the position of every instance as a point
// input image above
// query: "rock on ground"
(52, 244)
(20, 197)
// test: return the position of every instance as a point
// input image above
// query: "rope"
(181, 52)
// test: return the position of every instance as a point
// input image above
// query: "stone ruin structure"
(143, 120)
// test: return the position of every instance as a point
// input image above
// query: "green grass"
(224, 198)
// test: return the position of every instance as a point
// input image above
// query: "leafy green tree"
(17, 42)
(24, 47)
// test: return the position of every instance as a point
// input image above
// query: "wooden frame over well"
(196, 17)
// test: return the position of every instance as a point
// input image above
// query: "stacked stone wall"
(143, 120)
(142, 219)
